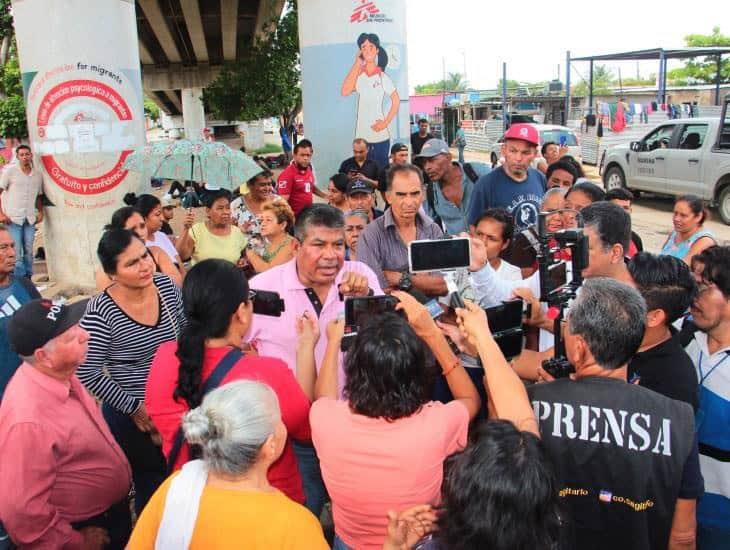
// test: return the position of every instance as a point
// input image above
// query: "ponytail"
(190, 353)
(212, 292)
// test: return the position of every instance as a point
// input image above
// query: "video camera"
(266, 302)
(555, 288)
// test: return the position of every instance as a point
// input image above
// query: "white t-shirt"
(508, 272)
(371, 92)
(162, 241)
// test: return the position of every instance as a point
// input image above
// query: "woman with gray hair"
(225, 500)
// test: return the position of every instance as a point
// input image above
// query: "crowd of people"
(171, 410)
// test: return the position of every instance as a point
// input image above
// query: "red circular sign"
(73, 89)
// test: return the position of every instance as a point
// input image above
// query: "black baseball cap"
(40, 321)
(359, 186)
(398, 147)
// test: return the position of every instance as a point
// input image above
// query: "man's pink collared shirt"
(277, 336)
(59, 463)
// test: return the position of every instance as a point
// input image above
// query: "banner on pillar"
(354, 78)
(81, 79)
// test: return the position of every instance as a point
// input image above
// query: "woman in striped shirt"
(127, 323)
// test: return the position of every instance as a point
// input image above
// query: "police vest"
(619, 451)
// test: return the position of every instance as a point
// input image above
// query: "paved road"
(651, 217)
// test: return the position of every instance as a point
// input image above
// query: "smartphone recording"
(359, 311)
(439, 255)
(505, 323)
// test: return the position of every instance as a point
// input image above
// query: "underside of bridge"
(184, 43)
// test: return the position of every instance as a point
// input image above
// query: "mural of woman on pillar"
(367, 77)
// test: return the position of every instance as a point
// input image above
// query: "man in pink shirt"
(318, 280)
(64, 481)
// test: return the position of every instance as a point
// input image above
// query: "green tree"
(648, 81)
(151, 109)
(512, 86)
(266, 81)
(705, 70)
(603, 79)
(429, 88)
(454, 82)
(13, 123)
(6, 30)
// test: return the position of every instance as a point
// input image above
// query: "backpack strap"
(223, 367)
(431, 200)
(470, 172)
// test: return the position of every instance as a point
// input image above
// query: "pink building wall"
(424, 104)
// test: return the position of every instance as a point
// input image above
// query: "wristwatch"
(405, 283)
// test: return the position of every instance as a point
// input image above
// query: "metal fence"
(482, 134)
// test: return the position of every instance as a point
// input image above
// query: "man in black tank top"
(626, 457)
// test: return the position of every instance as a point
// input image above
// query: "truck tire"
(723, 204)
(614, 178)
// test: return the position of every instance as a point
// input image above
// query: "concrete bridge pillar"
(80, 69)
(193, 112)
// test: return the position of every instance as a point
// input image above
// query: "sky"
(533, 37)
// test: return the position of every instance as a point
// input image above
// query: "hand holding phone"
(417, 314)
(189, 219)
(472, 322)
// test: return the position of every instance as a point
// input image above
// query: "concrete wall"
(253, 135)
(81, 79)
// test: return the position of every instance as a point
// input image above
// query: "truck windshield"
(555, 135)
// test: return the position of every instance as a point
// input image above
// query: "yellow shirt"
(208, 245)
(237, 519)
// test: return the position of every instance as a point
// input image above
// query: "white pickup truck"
(689, 155)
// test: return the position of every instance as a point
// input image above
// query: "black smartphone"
(439, 255)
(267, 303)
(506, 316)
(359, 310)
(510, 343)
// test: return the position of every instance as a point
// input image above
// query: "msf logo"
(364, 9)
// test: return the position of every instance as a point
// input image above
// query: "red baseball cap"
(525, 132)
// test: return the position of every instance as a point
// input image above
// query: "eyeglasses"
(251, 295)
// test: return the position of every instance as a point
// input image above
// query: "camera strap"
(531, 238)
(224, 366)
